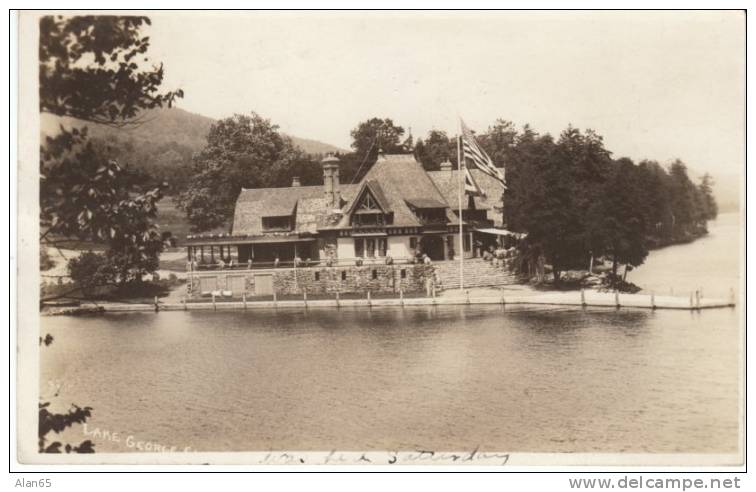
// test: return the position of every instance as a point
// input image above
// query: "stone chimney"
(331, 182)
(446, 165)
(295, 181)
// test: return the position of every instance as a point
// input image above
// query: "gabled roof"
(398, 183)
(377, 191)
(401, 178)
(372, 187)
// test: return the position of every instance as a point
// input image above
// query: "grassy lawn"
(173, 260)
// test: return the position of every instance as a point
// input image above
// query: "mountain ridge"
(165, 125)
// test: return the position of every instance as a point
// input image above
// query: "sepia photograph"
(381, 238)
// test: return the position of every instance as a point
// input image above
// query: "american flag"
(471, 150)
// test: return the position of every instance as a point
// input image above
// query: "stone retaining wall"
(373, 278)
(328, 280)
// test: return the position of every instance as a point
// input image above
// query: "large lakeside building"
(348, 233)
(398, 209)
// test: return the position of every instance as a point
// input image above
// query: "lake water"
(711, 263)
(439, 378)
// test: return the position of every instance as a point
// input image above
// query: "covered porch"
(211, 253)
(494, 238)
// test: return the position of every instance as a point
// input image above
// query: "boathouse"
(339, 237)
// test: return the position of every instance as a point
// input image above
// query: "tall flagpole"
(460, 171)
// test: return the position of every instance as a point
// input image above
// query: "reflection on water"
(444, 378)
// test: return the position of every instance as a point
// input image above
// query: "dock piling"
(582, 297)
(646, 300)
(304, 298)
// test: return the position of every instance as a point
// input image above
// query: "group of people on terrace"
(500, 256)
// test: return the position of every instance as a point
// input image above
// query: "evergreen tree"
(710, 209)
(616, 224)
(243, 151)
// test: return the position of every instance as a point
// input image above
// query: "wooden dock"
(451, 298)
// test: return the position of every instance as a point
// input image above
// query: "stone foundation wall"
(326, 280)
(373, 278)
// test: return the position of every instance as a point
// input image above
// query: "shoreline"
(516, 294)
(449, 298)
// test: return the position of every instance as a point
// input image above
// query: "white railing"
(213, 269)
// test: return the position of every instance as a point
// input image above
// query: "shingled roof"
(397, 181)
(256, 203)
(402, 178)
(447, 183)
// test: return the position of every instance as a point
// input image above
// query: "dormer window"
(431, 215)
(276, 224)
(428, 211)
(368, 219)
(368, 212)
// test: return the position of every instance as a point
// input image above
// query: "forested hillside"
(162, 142)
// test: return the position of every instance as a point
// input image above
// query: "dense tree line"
(576, 202)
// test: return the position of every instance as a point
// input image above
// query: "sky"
(657, 85)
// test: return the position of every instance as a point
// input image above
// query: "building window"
(466, 242)
(431, 215)
(404, 273)
(375, 274)
(370, 247)
(413, 243)
(276, 223)
(317, 276)
(382, 246)
(368, 220)
(343, 275)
